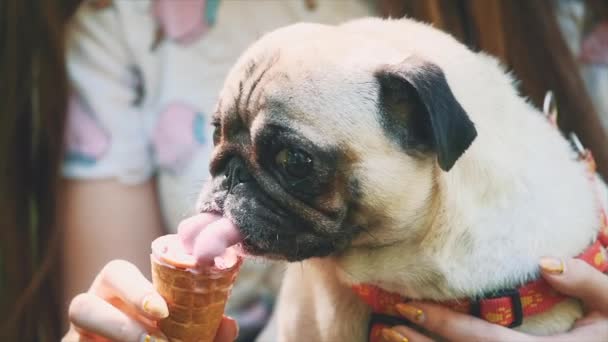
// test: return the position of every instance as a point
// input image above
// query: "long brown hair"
(33, 92)
(526, 37)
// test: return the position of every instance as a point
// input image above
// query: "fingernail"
(410, 312)
(391, 335)
(153, 338)
(155, 305)
(552, 265)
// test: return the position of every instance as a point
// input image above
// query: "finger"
(71, 336)
(454, 325)
(189, 228)
(98, 317)
(131, 311)
(591, 328)
(403, 334)
(122, 279)
(85, 336)
(576, 278)
(228, 330)
(78, 335)
(591, 318)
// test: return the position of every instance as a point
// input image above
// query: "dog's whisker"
(299, 181)
(366, 231)
(347, 272)
(196, 187)
(200, 182)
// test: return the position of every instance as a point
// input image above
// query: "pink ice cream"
(203, 240)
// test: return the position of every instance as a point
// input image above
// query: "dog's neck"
(486, 230)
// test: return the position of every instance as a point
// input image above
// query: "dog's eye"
(216, 133)
(296, 163)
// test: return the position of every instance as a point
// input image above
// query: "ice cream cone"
(196, 298)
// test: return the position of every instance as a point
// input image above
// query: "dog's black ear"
(419, 111)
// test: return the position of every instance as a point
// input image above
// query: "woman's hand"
(574, 278)
(123, 306)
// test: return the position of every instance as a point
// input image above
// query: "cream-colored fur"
(517, 194)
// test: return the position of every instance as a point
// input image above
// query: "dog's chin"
(286, 242)
(289, 249)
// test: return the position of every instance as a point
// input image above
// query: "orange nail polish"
(391, 335)
(153, 338)
(552, 265)
(155, 305)
(410, 312)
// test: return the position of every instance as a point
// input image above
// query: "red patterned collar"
(509, 307)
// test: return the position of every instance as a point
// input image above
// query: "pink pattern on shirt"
(84, 136)
(183, 20)
(174, 137)
(594, 49)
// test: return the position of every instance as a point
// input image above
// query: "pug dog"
(385, 152)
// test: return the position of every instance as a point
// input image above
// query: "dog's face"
(321, 146)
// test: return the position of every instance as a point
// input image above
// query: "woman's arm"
(104, 220)
(108, 202)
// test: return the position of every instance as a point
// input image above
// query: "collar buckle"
(516, 307)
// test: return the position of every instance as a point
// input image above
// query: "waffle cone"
(196, 300)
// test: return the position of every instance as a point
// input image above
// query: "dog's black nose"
(236, 173)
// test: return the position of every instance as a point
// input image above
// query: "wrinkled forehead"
(318, 96)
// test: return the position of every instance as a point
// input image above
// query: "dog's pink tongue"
(207, 237)
(214, 239)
